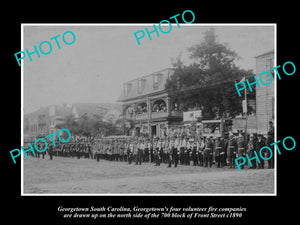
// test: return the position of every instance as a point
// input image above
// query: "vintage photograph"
(162, 117)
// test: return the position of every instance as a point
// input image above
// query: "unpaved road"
(87, 176)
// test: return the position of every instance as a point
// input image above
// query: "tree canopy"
(90, 127)
(208, 82)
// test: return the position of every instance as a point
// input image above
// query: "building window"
(127, 88)
(273, 107)
(156, 80)
(139, 85)
(269, 65)
(159, 106)
(141, 108)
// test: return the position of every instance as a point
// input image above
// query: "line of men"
(173, 151)
(77, 149)
(182, 150)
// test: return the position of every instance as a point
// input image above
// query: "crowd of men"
(176, 150)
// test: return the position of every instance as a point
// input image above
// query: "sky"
(103, 57)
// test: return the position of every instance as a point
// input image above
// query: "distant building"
(109, 111)
(45, 120)
(147, 104)
(265, 102)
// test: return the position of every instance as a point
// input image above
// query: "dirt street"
(86, 176)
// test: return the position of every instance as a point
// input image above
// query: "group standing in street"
(171, 151)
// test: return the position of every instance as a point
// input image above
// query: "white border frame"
(149, 24)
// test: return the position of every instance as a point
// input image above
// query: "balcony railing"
(177, 113)
(155, 115)
(142, 116)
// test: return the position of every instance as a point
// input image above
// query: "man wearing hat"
(231, 150)
(165, 155)
(139, 148)
(170, 149)
(241, 147)
(130, 152)
(50, 150)
(157, 151)
(261, 143)
(194, 153)
(208, 152)
(219, 151)
(181, 150)
(252, 146)
(187, 151)
(200, 149)
(176, 151)
(269, 141)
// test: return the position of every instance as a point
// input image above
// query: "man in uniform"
(219, 151)
(185, 144)
(208, 152)
(158, 152)
(241, 147)
(200, 149)
(182, 147)
(50, 150)
(97, 151)
(135, 149)
(130, 152)
(165, 150)
(252, 146)
(171, 149)
(222, 152)
(194, 153)
(140, 148)
(231, 150)
(269, 141)
(175, 155)
(147, 150)
(152, 149)
(261, 143)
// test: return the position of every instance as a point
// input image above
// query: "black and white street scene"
(162, 117)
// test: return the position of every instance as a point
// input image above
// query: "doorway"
(153, 130)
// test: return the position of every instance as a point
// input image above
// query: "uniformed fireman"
(171, 149)
(165, 155)
(252, 146)
(208, 152)
(200, 149)
(140, 148)
(175, 152)
(130, 152)
(148, 147)
(157, 152)
(219, 151)
(50, 150)
(261, 143)
(181, 149)
(194, 153)
(269, 141)
(231, 150)
(185, 145)
(241, 147)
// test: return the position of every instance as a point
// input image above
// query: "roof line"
(140, 77)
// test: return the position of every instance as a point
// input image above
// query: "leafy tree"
(88, 127)
(208, 82)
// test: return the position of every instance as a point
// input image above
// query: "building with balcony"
(148, 106)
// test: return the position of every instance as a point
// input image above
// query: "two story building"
(265, 102)
(148, 105)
